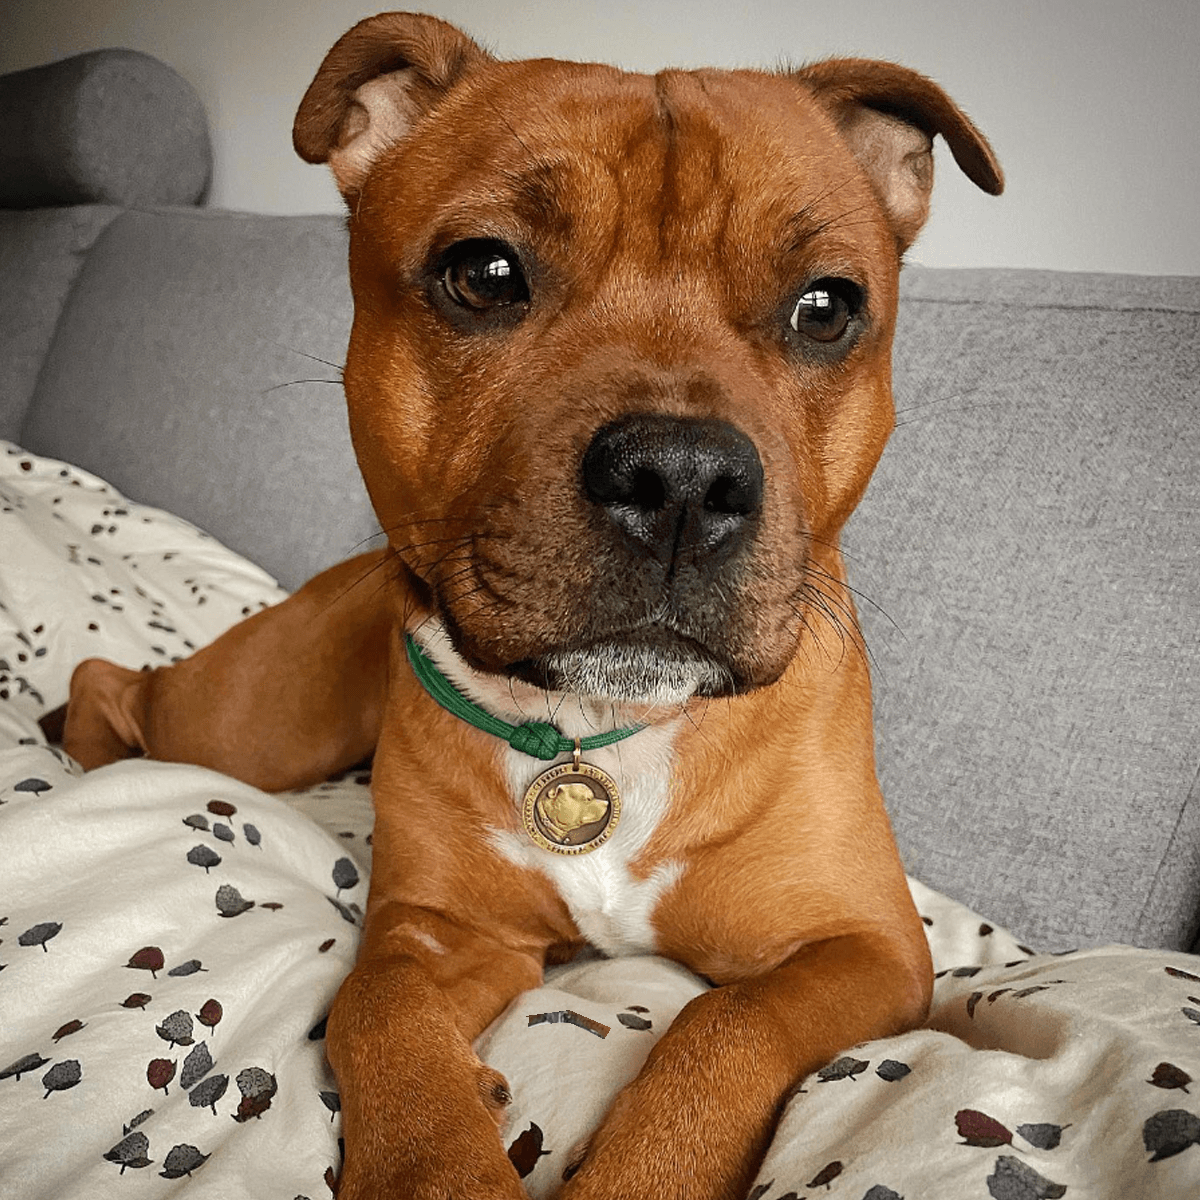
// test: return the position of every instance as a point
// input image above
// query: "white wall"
(1092, 105)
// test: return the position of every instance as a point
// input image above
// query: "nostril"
(732, 496)
(648, 491)
(603, 482)
(613, 476)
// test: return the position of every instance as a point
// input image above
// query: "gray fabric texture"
(1031, 544)
(180, 371)
(106, 127)
(40, 255)
(1053, 289)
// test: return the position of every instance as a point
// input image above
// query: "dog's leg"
(453, 933)
(419, 1109)
(283, 699)
(696, 1121)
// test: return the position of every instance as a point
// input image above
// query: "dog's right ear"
(373, 87)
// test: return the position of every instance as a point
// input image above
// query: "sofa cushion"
(40, 255)
(1030, 540)
(196, 367)
(106, 127)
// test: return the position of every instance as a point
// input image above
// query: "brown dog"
(620, 370)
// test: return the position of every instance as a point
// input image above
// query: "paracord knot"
(537, 739)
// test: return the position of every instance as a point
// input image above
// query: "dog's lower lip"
(677, 651)
(655, 636)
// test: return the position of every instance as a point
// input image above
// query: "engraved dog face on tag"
(571, 808)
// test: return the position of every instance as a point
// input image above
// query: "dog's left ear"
(889, 116)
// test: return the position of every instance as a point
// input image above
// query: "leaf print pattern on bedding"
(141, 1092)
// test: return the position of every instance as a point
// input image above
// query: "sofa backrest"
(1032, 538)
(196, 367)
(190, 357)
(41, 251)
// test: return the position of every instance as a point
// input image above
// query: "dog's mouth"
(652, 665)
(613, 643)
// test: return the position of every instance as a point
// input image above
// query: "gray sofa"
(1026, 557)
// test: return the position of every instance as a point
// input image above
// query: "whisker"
(359, 544)
(962, 408)
(827, 606)
(386, 561)
(295, 383)
(325, 362)
(825, 576)
(961, 395)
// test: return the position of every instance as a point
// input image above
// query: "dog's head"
(620, 365)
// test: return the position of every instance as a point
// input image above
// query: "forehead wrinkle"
(694, 204)
(668, 192)
(537, 196)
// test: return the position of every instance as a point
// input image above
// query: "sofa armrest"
(107, 127)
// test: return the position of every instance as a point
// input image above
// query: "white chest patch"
(612, 908)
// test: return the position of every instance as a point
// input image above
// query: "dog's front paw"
(437, 1153)
(665, 1145)
(463, 1174)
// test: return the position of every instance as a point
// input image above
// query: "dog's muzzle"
(677, 501)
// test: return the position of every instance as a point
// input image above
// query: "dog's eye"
(481, 274)
(824, 312)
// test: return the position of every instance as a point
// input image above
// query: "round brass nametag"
(572, 808)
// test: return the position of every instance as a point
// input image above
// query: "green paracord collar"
(537, 738)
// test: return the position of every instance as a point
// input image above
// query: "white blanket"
(170, 941)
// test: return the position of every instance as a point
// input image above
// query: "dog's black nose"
(679, 486)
